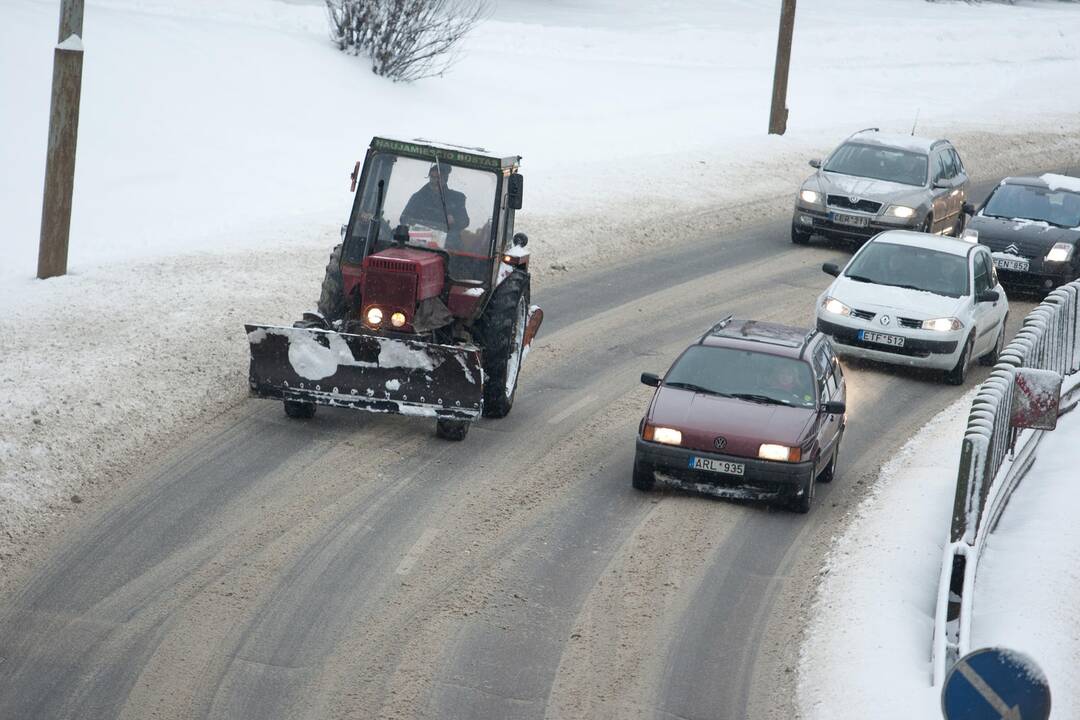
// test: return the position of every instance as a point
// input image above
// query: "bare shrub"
(405, 39)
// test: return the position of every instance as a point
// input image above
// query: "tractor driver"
(437, 206)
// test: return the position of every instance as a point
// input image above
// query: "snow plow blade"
(366, 372)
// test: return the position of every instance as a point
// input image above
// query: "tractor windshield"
(446, 207)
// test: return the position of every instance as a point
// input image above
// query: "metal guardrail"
(991, 464)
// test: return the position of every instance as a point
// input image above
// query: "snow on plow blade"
(367, 372)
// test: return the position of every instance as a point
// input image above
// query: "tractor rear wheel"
(332, 296)
(502, 335)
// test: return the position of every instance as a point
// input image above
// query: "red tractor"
(425, 305)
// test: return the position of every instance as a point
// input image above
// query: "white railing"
(993, 459)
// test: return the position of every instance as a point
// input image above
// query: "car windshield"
(916, 268)
(445, 207)
(744, 374)
(1057, 207)
(880, 163)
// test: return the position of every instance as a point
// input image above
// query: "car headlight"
(665, 435)
(811, 197)
(783, 453)
(1061, 252)
(942, 324)
(900, 211)
(834, 306)
(374, 316)
(970, 235)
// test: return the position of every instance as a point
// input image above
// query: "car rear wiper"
(755, 397)
(693, 387)
(860, 278)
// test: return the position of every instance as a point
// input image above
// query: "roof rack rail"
(718, 326)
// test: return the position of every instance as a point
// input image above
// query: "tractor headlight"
(374, 316)
(1061, 252)
(834, 306)
(397, 319)
(942, 324)
(900, 211)
(810, 197)
(667, 436)
(783, 453)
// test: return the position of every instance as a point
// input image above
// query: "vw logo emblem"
(885, 320)
(719, 443)
(1012, 249)
(854, 199)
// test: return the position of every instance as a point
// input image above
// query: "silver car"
(874, 182)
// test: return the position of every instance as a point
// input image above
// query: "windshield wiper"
(693, 387)
(907, 287)
(755, 397)
(861, 278)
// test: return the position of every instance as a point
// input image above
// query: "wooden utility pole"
(778, 115)
(63, 134)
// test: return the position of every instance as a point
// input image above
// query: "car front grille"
(909, 322)
(843, 201)
(863, 314)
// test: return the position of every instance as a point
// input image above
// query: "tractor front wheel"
(502, 332)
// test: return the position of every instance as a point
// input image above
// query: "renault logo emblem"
(1012, 249)
(885, 320)
(719, 443)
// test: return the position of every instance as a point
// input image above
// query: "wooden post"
(63, 134)
(778, 115)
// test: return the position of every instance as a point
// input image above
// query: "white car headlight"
(1061, 252)
(942, 324)
(900, 211)
(783, 453)
(811, 197)
(970, 235)
(665, 435)
(834, 306)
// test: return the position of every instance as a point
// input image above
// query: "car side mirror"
(831, 269)
(968, 209)
(815, 163)
(988, 296)
(521, 239)
(515, 190)
(650, 379)
(941, 184)
(833, 407)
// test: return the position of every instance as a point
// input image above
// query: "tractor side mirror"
(650, 379)
(815, 163)
(831, 269)
(521, 239)
(515, 190)
(833, 407)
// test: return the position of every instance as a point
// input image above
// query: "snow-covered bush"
(405, 39)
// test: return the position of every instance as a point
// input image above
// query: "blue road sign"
(995, 684)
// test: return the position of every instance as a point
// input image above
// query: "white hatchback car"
(911, 298)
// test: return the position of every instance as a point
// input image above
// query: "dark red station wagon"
(752, 407)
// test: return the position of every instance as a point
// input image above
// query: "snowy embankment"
(216, 137)
(867, 649)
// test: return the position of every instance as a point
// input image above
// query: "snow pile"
(867, 650)
(216, 138)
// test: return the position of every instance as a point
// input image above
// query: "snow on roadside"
(866, 653)
(867, 650)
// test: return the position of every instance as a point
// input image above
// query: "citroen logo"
(885, 320)
(1012, 249)
(719, 443)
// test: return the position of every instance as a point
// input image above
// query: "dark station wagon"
(751, 409)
